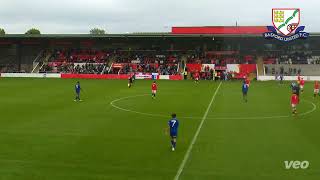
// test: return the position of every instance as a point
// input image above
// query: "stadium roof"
(200, 31)
(241, 30)
(134, 35)
(139, 35)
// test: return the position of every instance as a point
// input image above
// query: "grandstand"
(162, 53)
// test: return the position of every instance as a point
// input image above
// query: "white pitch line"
(308, 112)
(194, 139)
(112, 103)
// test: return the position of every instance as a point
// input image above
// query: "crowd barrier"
(94, 76)
(288, 78)
(124, 76)
(31, 75)
(88, 76)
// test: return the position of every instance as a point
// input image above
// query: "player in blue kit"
(245, 89)
(78, 89)
(295, 88)
(173, 126)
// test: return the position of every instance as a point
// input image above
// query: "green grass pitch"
(45, 135)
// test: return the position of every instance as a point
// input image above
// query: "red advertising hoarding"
(94, 76)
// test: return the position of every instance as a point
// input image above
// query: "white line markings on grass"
(128, 110)
(112, 103)
(308, 112)
(194, 139)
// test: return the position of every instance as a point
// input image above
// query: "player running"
(302, 84)
(77, 89)
(173, 126)
(298, 78)
(295, 88)
(154, 88)
(196, 77)
(130, 81)
(316, 89)
(247, 81)
(281, 78)
(245, 89)
(294, 102)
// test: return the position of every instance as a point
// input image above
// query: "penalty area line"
(194, 139)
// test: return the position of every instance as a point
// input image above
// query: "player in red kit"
(316, 89)
(247, 81)
(301, 84)
(154, 88)
(196, 77)
(294, 103)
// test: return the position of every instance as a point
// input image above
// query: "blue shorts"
(173, 134)
(244, 92)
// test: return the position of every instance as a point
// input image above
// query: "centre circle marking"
(112, 103)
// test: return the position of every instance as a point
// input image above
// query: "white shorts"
(301, 86)
(154, 91)
(197, 79)
(293, 105)
(316, 91)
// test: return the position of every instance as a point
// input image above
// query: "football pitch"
(117, 133)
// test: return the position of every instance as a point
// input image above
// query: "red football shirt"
(247, 81)
(294, 99)
(316, 85)
(154, 86)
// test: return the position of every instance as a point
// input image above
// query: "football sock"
(294, 111)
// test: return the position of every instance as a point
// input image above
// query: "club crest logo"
(286, 25)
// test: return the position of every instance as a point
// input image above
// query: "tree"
(33, 31)
(97, 31)
(2, 32)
